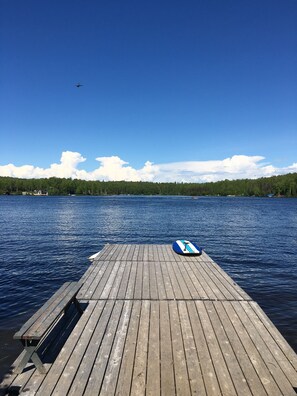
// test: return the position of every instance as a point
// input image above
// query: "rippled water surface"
(45, 241)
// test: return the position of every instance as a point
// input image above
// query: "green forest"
(277, 186)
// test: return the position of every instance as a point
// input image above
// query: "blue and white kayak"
(186, 248)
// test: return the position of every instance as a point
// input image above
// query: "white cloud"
(66, 168)
(114, 168)
(292, 168)
(236, 167)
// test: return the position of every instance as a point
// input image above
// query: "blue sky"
(197, 90)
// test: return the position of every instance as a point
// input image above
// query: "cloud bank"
(114, 168)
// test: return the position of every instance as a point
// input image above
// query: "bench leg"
(78, 307)
(30, 353)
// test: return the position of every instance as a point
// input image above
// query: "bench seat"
(40, 324)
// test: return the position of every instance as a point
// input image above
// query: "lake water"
(45, 241)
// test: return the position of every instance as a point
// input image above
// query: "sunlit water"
(45, 241)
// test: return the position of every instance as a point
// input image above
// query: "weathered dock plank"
(153, 358)
(166, 354)
(112, 370)
(252, 351)
(161, 324)
(150, 276)
(182, 384)
(140, 359)
(127, 364)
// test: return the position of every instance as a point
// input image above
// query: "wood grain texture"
(162, 324)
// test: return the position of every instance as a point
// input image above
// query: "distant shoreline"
(274, 186)
(149, 195)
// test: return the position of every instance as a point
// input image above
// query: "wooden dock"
(159, 323)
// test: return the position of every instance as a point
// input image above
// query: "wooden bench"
(36, 329)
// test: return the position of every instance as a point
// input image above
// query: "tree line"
(284, 185)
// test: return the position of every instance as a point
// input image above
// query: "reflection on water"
(113, 221)
(64, 226)
(45, 241)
